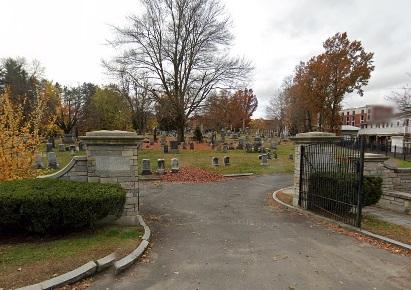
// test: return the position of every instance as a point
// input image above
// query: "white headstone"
(174, 165)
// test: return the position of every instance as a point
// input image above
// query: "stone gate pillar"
(112, 158)
(307, 139)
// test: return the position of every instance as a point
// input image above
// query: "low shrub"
(333, 192)
(54, 206)
(372, 190)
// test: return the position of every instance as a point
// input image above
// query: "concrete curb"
(75, 275)
(130, 259)
(92, 267)
(348, 227)
(238, 174)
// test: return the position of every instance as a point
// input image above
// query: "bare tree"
(277, 106)
(139, 98)
(182, 48)
(402, 98)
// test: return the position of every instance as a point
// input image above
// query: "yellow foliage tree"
(19, 136)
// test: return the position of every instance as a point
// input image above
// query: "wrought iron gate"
(331, 179)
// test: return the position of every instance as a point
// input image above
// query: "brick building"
(360, 117)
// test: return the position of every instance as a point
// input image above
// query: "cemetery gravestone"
(52, 160)
(146, 168)
(161, 167)
(39, 164)
(191, 146)
(226, 160)
(264, 160)
(174, 165)
(81, 146)
(214, 161)
(62, 147)
(165, 148)
(174, 146)
(49, 147)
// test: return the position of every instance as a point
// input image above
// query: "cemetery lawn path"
(224, 235)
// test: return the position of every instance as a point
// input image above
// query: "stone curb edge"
(238, 174)
(97, 266)
(364, 232)
(127, 261)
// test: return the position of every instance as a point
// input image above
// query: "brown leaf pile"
(193, 175)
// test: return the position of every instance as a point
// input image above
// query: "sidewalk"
(388, 216)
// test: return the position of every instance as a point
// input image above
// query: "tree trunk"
(180, 132)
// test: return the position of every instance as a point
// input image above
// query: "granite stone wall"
(111, 158)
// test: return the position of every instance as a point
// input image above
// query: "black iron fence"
(331, 179)
(400, 152)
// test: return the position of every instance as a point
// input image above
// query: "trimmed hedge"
(372, 190)
(54, 205)
(333, 192)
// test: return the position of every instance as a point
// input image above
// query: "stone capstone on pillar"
(112, 158)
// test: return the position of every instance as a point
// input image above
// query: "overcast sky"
(68, 37)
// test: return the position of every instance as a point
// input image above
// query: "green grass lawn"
(63, 158)
(241, 162)
(401, 163)
(25, 261)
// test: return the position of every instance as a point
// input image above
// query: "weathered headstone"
(174, 146)
(62, 147)
(248, 148)
(291, 156)
(81, 146)
(264, 160)
(38, 163)
(174, 165)
(52, 141)
(49, 147)
(68, 139)
(165, 148)
(225, 148)
(192, 146)
(146, 168)
(226, 160)
(161, 166)
(214, 161)
(52, 160)
(72, 149)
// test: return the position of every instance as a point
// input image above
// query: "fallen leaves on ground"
(193, 175)
(356, 235)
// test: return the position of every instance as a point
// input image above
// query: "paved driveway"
(224, 236)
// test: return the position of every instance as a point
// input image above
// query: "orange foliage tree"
(19, 136)
(226, 110)
(319, 86)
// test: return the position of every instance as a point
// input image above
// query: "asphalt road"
(225, 236)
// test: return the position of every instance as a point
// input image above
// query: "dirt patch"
(193, 175)
(286, 198)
